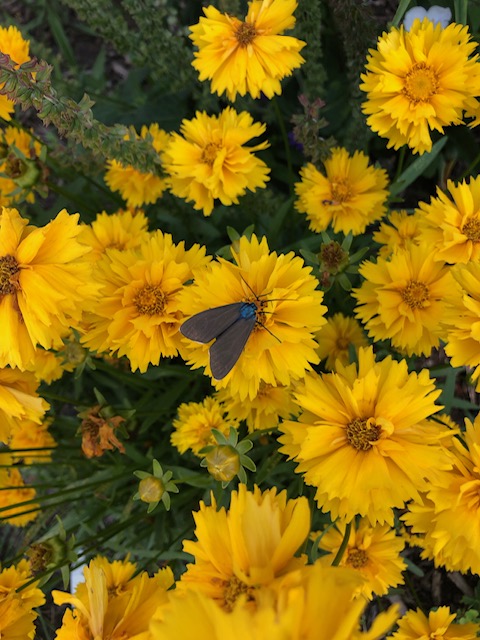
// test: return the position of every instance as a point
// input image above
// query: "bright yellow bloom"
(264, 410)
(19, 171)
(362, 439)
(452, 228)
(46, 365)
(138, 315)
(16, 607)
(250, 56)
(45, 284)
(448, 515)
(399, 231)
(13, 494)
(337, 337)
(247, 547)
(463, 326)
(112, 604)
(30, 436)
(135, 187)
(209, 160)
(18, 401)
(372, 551)
(193, 427)
(12, 43)
(350, 195)
(417, 81)
(125, 229)
(281, 346)
(439, 624)
(405, 299)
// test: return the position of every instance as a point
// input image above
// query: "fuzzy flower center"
(415, 294)
(234, 588)
(245, 34)
(209, 153)
(361, 433)
(341, 191)
(9, 272)
(471, 229)
(357, 558)
(150, 300)
(421, 83)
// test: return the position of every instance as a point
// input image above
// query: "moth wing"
(228, 347)
(208, 324)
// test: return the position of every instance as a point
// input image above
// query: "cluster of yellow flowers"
(366, 435)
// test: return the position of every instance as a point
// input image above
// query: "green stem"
(398, 17)
(283, 131)
(461, 11)
(343, 546)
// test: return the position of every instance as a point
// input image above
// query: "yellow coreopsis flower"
(463, 324)
(399, 231)
(19, 401)
(405, 299)
(209, 160)
(112, 603)
(30, 436)
(372, 551)
(452, 222)
(418, 81)
(439, 624)
(350, 195)
(289, 311)
(135, 187)
(194, 424)
(19, 171)
(125, 229)
(13, 496)
(337, 337)
(448, 515)
(362, 439)
(17, 605)
(247, 547)
(138, 315)
(45, 283)
(249, 56)
(46, 366)
(12, 43)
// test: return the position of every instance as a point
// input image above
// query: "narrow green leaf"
(417, 168)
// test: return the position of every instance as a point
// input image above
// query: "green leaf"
(417, 168)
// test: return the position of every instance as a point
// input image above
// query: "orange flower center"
(342, 343)
(9, 272)
(150, 300)
(361, 433)
(245, 34)
(209, 153)
(233, 589)
(340, 190)
(415, 294)
(421, 83)
(471, 229)
(357, 558)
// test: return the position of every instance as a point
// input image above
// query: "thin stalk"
(283, 131)
(461, 11)
(343, 546)
(402, 8)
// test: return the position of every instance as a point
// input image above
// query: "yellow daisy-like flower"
(249, 56)
(210, 161)
(135, 187)
(448, 515)
(19, 170)
(17, 605)
(193, 427)
(247, 547)
(405, 299)
(35, 439)
(452, 228)
(372, 551)
(125, 229)
(399, 231)
(45, 283)
(138, 315)
(19, 401)
(263, 411)
(46, 365)
(13, 495)
(112, 603)
(362, 440)
(350, 196)
(12, 43)
(337, 337)
(439, 624)
(418, 81)
(289, 311)
(463, 326)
